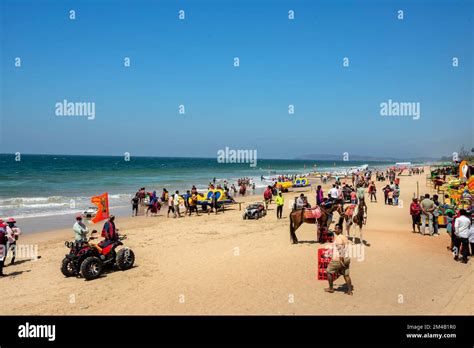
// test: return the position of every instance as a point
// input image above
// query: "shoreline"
(35, 224)
(55, 193)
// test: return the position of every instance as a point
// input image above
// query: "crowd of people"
(425, 212)
(180, 205)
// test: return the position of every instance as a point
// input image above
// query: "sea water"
(54, 185)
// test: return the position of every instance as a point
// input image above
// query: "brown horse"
(358, 219)
(297, 218)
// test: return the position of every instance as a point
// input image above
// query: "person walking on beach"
(134, 202)
(415, 212)
(165, 196)
(436, 213)
(390, 197)
(3, 246)
(214, 204)
(186, 197)
(280, 201)
(141, 194)
(319, 195)
(396, 194)
(192, 202)
(152, 205)
(80, 230)
(427, 208)
(176, 204)
(267, 196)
(340, 261)
(462, 225)
(386, 190)
(372, 192)
(171, 206)
(13, 233)
(471, 239)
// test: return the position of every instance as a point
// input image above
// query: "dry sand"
(225, 265)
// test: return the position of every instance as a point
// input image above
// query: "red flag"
(102, 203)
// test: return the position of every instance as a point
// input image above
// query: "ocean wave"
(17, 201)
(39, 206)
(26, 200)
(32, 214)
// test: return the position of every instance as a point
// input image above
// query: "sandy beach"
(222, 264)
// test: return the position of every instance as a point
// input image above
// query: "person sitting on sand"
(340, 261)
(80, 230)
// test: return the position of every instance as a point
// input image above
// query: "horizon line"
(386, 159)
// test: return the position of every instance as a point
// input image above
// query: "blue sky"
(190, 62)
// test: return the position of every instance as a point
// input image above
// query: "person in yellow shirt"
(280, 201)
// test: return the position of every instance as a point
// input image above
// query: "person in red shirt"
(415, 212)
(267, 196)
(372, 191)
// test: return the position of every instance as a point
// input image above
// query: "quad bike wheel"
(91, 268)
(67, 268)
(125, 259)
(244, 216)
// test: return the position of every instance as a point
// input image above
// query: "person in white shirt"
(171, 206)
(471, 238)
(176, 204)
(13, 232)
(333, 193)
(80, 230)
(462, 225)
(300, 202)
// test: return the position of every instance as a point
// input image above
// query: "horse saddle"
(314, 213)
(352, 210)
